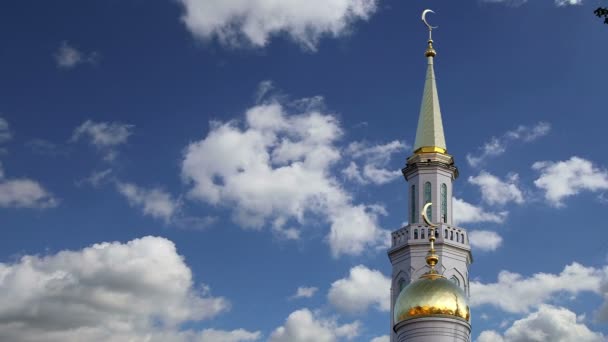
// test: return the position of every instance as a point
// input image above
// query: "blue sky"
(229, 170)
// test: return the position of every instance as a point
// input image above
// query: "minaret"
(429, 172)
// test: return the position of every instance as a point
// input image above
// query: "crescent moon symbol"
(425, 218)
(424, 13)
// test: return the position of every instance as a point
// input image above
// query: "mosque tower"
(430, 287)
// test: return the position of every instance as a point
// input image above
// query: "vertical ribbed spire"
(429, 135)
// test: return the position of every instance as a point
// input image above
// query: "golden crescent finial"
(424, 13)
(430, 52)
(431, 258)
(425, 218)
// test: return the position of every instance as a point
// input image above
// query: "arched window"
(436, 234)
(401, 284)
(415, 233)
(455, 280)
(452, 235)
(445, 235)
(427, 199)
(444, 203)
(413, 204)
(462, 237)
(422, 233)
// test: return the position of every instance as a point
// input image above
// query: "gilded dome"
(431, 295)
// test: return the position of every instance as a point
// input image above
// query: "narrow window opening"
(401, 284)
(444, 203)
(413, 198)
(428, 198)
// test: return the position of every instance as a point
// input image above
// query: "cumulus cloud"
(602, 313)
(96, 178)
(136, 291)
(529, 292)
(106, 136)
(362, 289)
(384, 338)
(305, 326)
(21, 192)
(305, 292)
(465, 212)
(24, 193)
(154, 202)
(567, 178)
(549, 323)
(254, 22)
(496, 191)
(68, 57)
(5, 133)
(561, 3)
(375, 159)
(498, 145)
(240, 335)
(275, 169)
(484, 240)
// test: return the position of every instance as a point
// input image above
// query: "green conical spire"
(429, 135)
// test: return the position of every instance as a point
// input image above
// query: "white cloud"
(602, 313)
(277, 168)
(24, 193)
(484, 240)
(567, 178)
(489, 336)
(496, 191)
(305, 292)
(498, 146)
(136, 291)
(240, 335)
(47, 148)
(254, 22)
(5, 133)
(383, 338)
(549, 323)
(106, 136)
(304, 326)
(154, 202)
(512, 3)
(360, 290)
(526, 293)
(375, 154)
(561, 3)
(21, 192)
(465, 212)
(68, 57)
(517, 3)
(375, 159)
(96, 178)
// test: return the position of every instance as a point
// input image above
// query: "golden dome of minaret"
(432, 294)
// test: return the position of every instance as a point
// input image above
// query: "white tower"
(429, 172)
